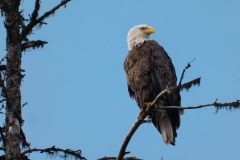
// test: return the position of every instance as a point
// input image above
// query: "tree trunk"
(13, 79)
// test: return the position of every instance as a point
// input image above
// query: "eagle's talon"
(148, 104)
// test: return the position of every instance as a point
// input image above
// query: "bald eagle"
(149, 70)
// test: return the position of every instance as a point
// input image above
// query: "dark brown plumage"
(149, 70)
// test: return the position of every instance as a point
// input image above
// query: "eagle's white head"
(138, 34)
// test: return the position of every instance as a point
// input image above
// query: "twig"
(2, 106)
(33, 44)
(35, 21)
(191, 83)
(3, 59)
(2, 136)
(46, 14)
(2, 67)
(24, 142)
(186, 67)
(53, 149)
(35, 11)
(2, 148)
(2, 100)
(24, 104)
(227, 105)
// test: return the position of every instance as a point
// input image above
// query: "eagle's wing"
(163, 76)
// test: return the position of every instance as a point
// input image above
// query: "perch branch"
(53, 149)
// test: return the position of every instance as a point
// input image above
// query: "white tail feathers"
(165, 127)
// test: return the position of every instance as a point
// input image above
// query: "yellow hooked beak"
(149, 30)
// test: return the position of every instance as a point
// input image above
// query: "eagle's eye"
(143, 28)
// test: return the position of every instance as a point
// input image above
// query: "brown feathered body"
(149, 70)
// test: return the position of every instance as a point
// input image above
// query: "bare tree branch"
(35, 11)
(2, 148)
(227, 105)
(114, 158)
(47, 14)
(190, 84)
(2, 136)
(2, 7)
(52, 150)
(3, 59)
(24, 104)
(182, 75)
(2, 100)
(33, 44)
(129, 135)
(34, 21)
(2, 67)
(24, 142)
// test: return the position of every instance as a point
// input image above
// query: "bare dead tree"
(18, 28)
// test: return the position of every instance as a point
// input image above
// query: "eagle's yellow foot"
(148, 104)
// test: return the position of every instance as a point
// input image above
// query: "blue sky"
(76, 87)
